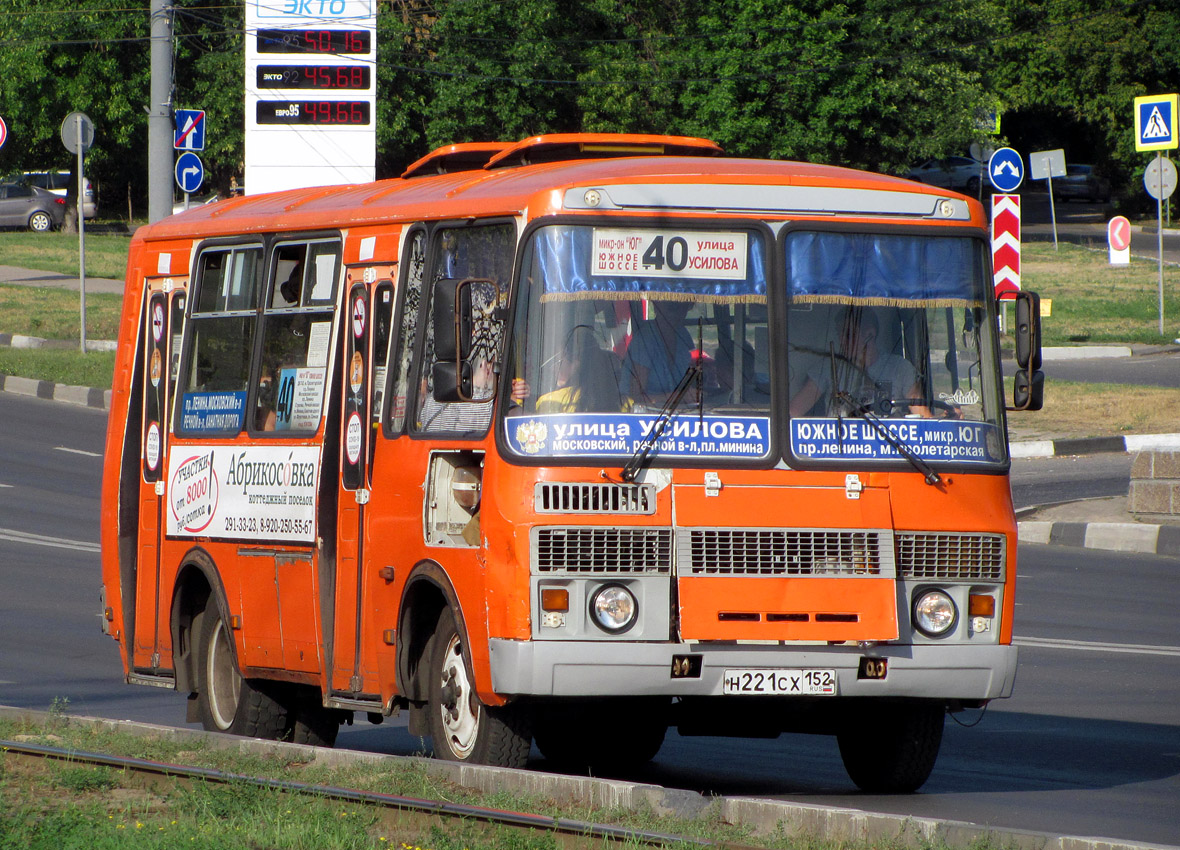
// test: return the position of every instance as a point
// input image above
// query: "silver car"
(58, 182)
(960, 173)
(22, 205)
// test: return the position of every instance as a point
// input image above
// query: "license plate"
(780, 682)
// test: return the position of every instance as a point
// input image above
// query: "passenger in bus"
(292, 287)
(458, 415)
(588, 379)
(659, 354)
(869, 376)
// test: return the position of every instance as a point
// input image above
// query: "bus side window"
(485, 252)
(413, 274)
(220, 341)
(296, 335)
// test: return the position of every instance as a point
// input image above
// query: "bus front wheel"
(227, 702)
(892, 748)
(462, 728)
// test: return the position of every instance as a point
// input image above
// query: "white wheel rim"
(40, 221)
(222, 678)
(460, 722)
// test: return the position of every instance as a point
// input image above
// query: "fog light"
(934, 613)
(614, 608)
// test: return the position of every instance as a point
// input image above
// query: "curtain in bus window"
(883, 270)
(566, 257)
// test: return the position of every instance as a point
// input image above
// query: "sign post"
(1045, 165)
(1155, 130)
(77, 134)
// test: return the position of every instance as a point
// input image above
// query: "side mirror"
(1028, 391)
(452, 320)
(1028, 330)
(452, 381)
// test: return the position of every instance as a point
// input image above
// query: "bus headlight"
(614, 608)
(934, 613)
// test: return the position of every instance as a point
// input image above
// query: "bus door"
(162, 327)
(369, 306)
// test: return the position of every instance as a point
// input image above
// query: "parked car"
(960, 173)
(38, 209)
(1082, 182)
(58, 182)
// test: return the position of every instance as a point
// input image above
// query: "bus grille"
(597, 498)
(950, 557)
(784, 552)
(603, 551)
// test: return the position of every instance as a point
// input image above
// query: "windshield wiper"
(643, 450)
(930, 475)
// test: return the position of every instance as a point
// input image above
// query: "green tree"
(1070, 72)
(57, 56)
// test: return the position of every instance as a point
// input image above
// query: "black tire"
(311, 722)
(227, 702)
(892, 749)
(462, 728)
(40, 222)
(574, 735)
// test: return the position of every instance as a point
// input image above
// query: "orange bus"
(570, 441)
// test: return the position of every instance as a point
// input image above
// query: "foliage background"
(866, 83)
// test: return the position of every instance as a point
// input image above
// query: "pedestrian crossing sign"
(1155, 123)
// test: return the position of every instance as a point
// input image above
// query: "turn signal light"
(981, 605)
(555, 599)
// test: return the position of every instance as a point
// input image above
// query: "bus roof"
(496, 188)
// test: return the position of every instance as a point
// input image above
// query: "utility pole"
(160, 121)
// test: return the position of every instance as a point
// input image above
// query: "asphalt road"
(1089, 744)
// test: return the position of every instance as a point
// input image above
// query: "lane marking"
(44, 540)
(77, 451)
(1097, 646)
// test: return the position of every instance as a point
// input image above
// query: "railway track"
(575, 833)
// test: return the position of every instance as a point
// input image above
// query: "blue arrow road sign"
(190, 130)
(1006, 170)
(189, 172)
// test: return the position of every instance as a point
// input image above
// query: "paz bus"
(569, 442)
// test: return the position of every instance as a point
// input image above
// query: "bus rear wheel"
(227, 702)
(892, 749)
(462, 728)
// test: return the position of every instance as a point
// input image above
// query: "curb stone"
(85, 396)
(763, 816)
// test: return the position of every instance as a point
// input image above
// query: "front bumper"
(598, 669)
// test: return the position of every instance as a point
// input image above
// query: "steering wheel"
(949, 411)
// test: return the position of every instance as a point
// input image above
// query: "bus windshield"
(891, 328)
(611, 320)
(887, 340)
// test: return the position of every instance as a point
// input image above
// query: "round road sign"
(1160, 178)
(77, 132)
(1005, 169)
(190, 172)
(1118, 233)
(3, 132)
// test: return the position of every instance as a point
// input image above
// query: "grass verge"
(106, 254)
(1098, 410)
(55, 804)
(52, 313)
(1095, 302)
